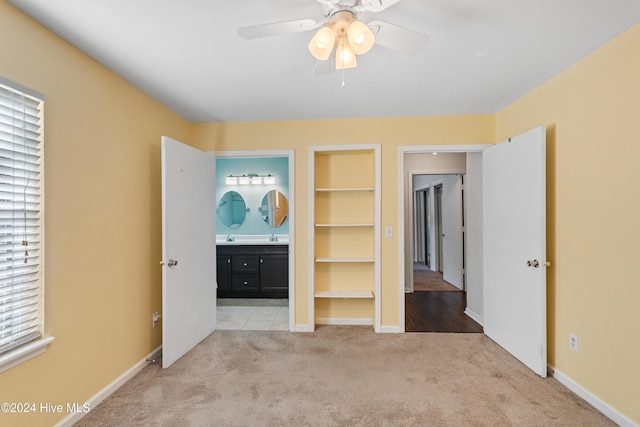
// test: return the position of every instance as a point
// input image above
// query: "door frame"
(405, 184)
(291, 199)
(437, 211)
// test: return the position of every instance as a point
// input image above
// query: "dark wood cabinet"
(223, 272)
(253, 271)
(274, 272)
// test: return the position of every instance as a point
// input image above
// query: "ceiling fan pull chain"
(343, 84)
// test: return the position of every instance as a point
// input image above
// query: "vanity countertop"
(262, 239)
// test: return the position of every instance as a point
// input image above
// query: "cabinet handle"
(228, 260)
(261, 260)
(245, 283)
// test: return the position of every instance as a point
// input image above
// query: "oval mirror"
(232, 209)
(274, 208)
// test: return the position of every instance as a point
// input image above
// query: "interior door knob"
(535, 263)
(172, 263)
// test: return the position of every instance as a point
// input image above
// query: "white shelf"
(346, 225)
(344, 294)
(345, 260)
(346, 189)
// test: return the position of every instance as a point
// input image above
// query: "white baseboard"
(95, 400)
(344, 321)
(391, 330)
(475, 316)
(303, 328)
(611, 413)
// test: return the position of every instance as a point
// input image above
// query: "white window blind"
(21, 217)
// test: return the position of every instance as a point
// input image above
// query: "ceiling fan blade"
(323, 67)
(276, 28)
(397, 38)
(374, 5)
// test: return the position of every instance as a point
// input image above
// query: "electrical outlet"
(155, 318)
(573, 342)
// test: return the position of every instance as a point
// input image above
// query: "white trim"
(97, 398)
(400, 234)
(24, 352)
(606, 409)
(344, 321)
(290, 154)
(254, 153)
(22, 88)
(391, 330)
(425, 149)
(475, 316)
(311, 303)
(378, 244)
(303, 328)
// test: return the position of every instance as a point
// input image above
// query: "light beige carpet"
(343, 376)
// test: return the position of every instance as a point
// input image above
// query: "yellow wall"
(592, 114)
(103, 242)
(391, 133)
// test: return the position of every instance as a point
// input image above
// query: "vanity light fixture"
(251, 178)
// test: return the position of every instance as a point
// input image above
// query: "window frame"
(34, 347)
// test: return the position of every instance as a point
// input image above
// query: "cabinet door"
(223, 263)
(274, 272)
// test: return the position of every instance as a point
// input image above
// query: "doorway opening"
(429, 209)
(255, 257)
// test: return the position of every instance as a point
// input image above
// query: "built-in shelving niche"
(345, 237)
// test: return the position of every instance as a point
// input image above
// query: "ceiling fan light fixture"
(345, 56)
(360, 37)
(321, 45)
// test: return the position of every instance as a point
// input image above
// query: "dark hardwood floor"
(438, 312)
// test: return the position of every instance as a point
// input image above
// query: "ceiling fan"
(342, 34)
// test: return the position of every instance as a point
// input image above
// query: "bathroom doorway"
(254, 237)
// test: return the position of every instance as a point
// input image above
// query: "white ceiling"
(483, 54)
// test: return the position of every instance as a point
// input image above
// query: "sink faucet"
(273, 238)
(229, 238)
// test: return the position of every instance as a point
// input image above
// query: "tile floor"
(253, 318)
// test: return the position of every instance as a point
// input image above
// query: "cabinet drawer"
(245, 263)
(245, 282)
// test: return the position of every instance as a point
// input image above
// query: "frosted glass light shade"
(244, 180)
(360, 37)
(269, 180)
(322, 43)
(345, 56)
(256, 180)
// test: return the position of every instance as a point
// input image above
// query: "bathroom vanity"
(253, 254)
(252, 270)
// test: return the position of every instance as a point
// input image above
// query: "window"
(21, 223)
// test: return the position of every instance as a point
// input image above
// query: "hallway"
(436, 305)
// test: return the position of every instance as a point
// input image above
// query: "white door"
(452, 251)
(514, 229)
(188, 248)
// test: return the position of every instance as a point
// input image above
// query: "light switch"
(388, 231)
